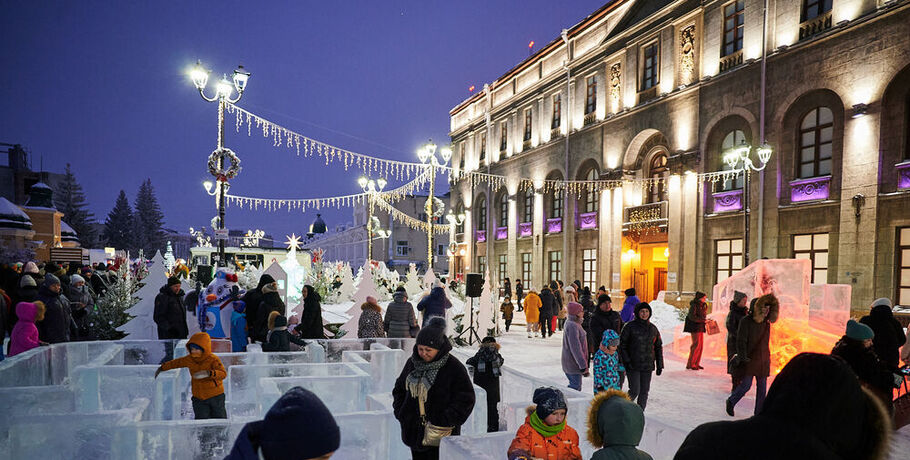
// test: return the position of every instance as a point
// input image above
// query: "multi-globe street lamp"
(223, 90)
(741, 154)
(427, 156)
(372, 188)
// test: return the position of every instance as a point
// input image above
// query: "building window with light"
(483, 147)
(482, 213)
(815, 8)
(526, 269)
(461, 159)
(649, 67)
(503, 210)
(589, 268)
(482, 265)
(555, 258)
(557, 111)
(503, 137)
(903, 266)
(556, 204)
(527, 136)
(732, 139)
(591, 97)
(728, 257)
(402, 249)
(733, 28)
(814, 247)
(657, 172)
(816, 134)
(502, 268)
(591, 198)
(528, 206)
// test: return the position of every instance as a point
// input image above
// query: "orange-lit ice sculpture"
(812, 316)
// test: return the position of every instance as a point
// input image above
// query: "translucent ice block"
(486, 446)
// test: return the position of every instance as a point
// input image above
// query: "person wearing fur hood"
(278, 338)
(487, 363)
(400, 320)
(370, 323)
(545, 433)
(615, 425)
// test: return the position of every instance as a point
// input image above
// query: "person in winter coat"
(400, 320)
(889, 335)
(27, 291)
(507, 288)
(207, 375)
(507, 310)
(434, 304)
(559, 306)
(815, 409)
(238, 327)
(278, 337)
(370, 323)
(93, 281)
(737, 313)
(545, 434)
(608, 368)
(279, 437)
(252, 299)
(615, 426)
(603, 319)
(532, 305)
(641, 351)
(695, 325)
(269, 301)
(486, 363)
(587, 302)
(575, 347)
(25, 333)
(548, 310)
(311, 326)
(433, 387)
(856, 348)
(519, 293)
(754, 353)
(628, 305)
(58, 325)
(170, 311)
(82, 302)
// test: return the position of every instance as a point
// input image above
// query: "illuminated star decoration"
(293, 242)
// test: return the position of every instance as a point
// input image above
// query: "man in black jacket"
(519, 292)
(58, 325)
(641, 351)
(548, 310)
(252, 299)
(889, 335)
(737, 312)
(170, 312)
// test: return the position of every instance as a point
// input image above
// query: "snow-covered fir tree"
(110, 310)
(412, 286)
(148, 219)
(70, 200)
(366, 287)
(347, 283)
(118, 227)
(142, 325)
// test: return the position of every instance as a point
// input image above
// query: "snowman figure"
(216, 302)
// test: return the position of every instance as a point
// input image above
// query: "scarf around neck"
(423, 376)
(544, 429)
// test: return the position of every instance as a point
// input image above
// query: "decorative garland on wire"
(226, 155)
(411, 222)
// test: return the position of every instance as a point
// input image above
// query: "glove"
(202, 375)
(659, 370)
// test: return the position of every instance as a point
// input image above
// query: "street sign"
(221, 234)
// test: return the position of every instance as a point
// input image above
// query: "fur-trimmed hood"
(492, 345)
(370, 306)
(614, 420)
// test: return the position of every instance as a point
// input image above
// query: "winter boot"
(729, 407)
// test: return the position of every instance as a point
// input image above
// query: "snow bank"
(666, 318)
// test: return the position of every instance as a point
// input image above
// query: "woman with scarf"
(433, 396)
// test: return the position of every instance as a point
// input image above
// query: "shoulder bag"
(432, 434)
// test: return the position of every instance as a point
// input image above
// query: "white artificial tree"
(367, 287)
(485, 317)
(248, 278)
(412, 286)
(347, 283)
(142, 325)
(169, 260)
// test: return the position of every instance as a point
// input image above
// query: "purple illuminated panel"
(480, 236)
(728, 201)
(814, 188)
(525, 229)
(502, 233)
(554, 225)
(587, 221)
(903, 175)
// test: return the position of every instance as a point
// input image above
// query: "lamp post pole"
(427, 155)
(733, 157)
(223, 89)
(371, 188)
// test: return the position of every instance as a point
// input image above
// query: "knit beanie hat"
(86, 269)
(548, 400)
(611, 338)
(27, 281)
(76, 279)
(699, 295)
(859, 331)
(574, 308)
(642, 306)
(603, 298)
(30, 267)
(629, 292)
(281, 435)
(401, 289)
(738, 297)
(172, 281)
(50, 280)
(433, 335)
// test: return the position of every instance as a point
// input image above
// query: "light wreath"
(227, 156)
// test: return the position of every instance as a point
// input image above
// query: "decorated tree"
(248, 278)
(485, 316)
(347, 283)
(367, 287)
(110, 310)
(142, 325)
(412, 286)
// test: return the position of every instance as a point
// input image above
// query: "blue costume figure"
(238, 327)
(212, 310)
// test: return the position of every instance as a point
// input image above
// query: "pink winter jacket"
(25, 334)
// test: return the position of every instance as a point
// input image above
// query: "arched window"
(528, 205)
(657, 171)
(503, 210)
(591, 198)
(732, 139)
(815, 141)
(482, 213)
(559, 198)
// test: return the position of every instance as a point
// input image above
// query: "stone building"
(653, 93)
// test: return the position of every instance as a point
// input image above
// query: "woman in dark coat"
(434, 304)
(856, 348)
(753, 350)
(438, 379)
(641, 351)
(400, 320)
(58, 325)
(548, 310)
(252, 299)
(889, 335)
(310, 326)
(270, 301)
(737, 312)
(816, 409)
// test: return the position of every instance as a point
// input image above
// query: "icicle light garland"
(411, 222)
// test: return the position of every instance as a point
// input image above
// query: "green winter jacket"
(616, 424)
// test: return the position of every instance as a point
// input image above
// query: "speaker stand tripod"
(470, 330)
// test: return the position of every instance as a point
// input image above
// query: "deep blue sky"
(102, 85)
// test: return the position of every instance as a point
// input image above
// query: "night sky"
(102, 85)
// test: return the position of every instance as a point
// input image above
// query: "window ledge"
(810, 189)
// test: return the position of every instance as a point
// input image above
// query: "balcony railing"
(480, 236)
(555, 132)
(587, 221)
(525, 229)
(502, 233)
(811, 189)
(815, 25)
(731, 60)
(651, 212)
(554, 225)
(731, 200)
(590, 117)
(903, 175)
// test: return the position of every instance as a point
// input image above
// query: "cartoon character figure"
(216, 302)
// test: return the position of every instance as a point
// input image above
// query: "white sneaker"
(529, 335)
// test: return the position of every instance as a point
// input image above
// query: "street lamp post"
(223, 88)
(427, 155)
(372, 188)
(733, 157)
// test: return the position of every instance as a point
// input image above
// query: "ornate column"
(538, 255)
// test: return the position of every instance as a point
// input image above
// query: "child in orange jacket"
(545, 435)
(207, 373)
